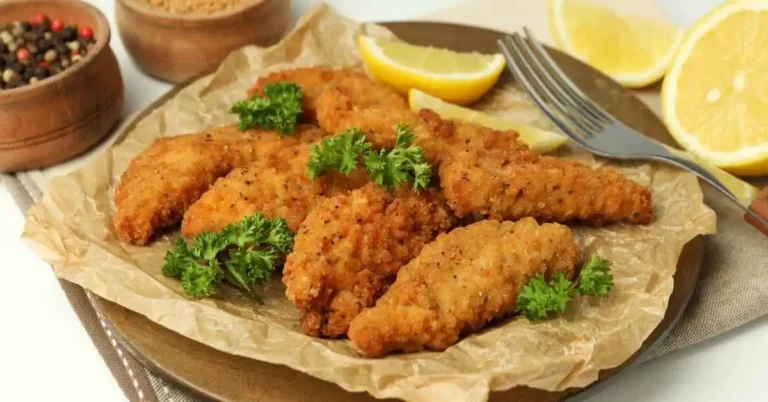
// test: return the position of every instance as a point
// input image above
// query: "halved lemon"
(460, 78)
(538, 140)
(715, 96)
(632, 50)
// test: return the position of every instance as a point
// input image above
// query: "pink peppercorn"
(57, 25)
(86, 33)
(22, 55)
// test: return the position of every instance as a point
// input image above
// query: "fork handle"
(756, 210)
(759, 206)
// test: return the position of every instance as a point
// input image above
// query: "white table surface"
(45, 354)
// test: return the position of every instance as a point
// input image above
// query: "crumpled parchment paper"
(71, 228)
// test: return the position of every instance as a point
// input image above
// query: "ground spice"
(193, 6)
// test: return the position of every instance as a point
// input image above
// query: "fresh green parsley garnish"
(595, 277)
(539, 298)
(403, 164)
(244, 254)
(338, 153)
(388, 168)
(279, 109)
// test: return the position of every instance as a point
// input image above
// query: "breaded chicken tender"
(490, 173)
(492, 184)
(349, 249)
(461, 282)
(277, 187)
(337, 111)
(313, 81)
(163, 181)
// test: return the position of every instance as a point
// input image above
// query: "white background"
(45, 354)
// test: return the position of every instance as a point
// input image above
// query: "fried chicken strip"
(491, 173)
(337, 111)
(313, 81)
(163, 181)
(490, 184)
(275, 186)
(350, 247)
(460, 282)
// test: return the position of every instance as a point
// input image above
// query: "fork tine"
(535, 86)
(527, 86)
(555, 85)
(566, 82)
(570, 106)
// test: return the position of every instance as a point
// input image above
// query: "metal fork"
(594, 129)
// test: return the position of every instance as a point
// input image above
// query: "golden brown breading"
(276, 187)
(337, 111)
(491, 173)
(349, 249)
(314, 81)
(490, 184)
(163, 181)
(460, 282)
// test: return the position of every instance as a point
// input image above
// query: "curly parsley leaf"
(403, 164)
(208, 245)
(200, 280)
(244, 254)
(248, 230)
(176, 259)
(539, 299)
(279, 109)
(596, 277)
(280, 236)
(339, 153)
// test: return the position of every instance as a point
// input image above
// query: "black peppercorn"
(44, 44)
(69, 34)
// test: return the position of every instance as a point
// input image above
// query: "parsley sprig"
(540, 299)
(405, 163)
(595, 277)
(279, 109)
(244, 254)
(339, 153)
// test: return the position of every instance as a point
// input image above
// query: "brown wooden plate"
(220, 376)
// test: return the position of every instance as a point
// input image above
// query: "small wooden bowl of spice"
(178, 39)
(60, 85)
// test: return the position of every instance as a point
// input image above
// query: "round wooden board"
(215, 375)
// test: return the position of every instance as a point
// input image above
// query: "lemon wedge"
(538, 140)
(636, 51)
(714, 97)
(460, 78)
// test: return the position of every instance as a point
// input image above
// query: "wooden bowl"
(175, 47)
(60, 117)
